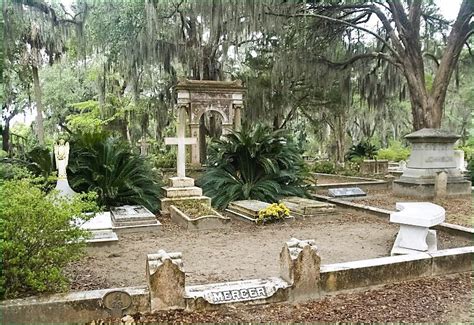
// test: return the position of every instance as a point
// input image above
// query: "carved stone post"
(195, 154)
(300, 266)
(237, 117)
(166, 281)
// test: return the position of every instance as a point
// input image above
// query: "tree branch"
(344, 64)
(380, 38)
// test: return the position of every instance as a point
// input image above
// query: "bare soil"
(458, 209)
(445, 299)
(242, 252)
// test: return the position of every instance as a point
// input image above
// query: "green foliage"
(362, 150)
(38, 237)
(395, 152)
(325, 167)
(87, 119)
(254, 163)
(165, 159)
(107, 166)
(35, 164)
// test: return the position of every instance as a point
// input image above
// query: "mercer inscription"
(238, 294)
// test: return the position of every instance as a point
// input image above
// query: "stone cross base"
(181, 189)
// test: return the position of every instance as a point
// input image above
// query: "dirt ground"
(445, 299)
(242, 252)
(458, 209)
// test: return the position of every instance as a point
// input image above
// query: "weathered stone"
(346, 192)
(459, 160)
(302, 207)
(181, 182)
(374, 167)
(101, 230)
(441, 185)
(211, 221)
(236, 291)
(166, 280)
(174, 192)
(201, 96)
(167, 202)
(133, 217)
(300, 266)
(247, 210)
(432, 152)
(415, 218)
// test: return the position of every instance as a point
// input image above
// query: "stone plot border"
(301, 278)
(449, 228)
(242, 217)
(214, 221)
(366, 184)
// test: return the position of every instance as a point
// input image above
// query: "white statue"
(61, 153)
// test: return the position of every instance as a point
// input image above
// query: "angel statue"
(61, 153)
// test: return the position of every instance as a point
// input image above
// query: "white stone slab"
(237, 291)
(100, 222)
(102, 236)
(346, 192)
(421, 214)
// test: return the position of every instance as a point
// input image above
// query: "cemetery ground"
(243, 251)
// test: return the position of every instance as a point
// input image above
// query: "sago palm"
(254, 163)
(107, 166)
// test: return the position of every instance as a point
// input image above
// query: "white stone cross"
(181, 141)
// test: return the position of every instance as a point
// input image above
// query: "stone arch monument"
(198, 97)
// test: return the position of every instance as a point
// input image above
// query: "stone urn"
(432, 153)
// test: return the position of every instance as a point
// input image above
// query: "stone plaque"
(238, 291)
(346, 192)
(249, 207)
(107, 235)
(132, 215)
(116, 302)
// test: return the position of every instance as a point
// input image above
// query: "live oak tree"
(400, 43)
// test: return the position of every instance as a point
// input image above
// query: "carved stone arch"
(202, 96)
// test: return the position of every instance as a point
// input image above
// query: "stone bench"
(415, 219)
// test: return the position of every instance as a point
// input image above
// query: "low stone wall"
(301, 278)
(81, 306)
(384, 270)
(366, 184)
(449, 228)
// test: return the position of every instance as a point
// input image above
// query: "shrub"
(394, 152)
(107, 166)
(38, 237)
(165, 160)
(254, 163)
(325, 167)
(362, 150)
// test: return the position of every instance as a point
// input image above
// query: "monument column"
(195, 155)
(237, 117)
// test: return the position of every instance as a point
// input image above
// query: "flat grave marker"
(133, 216)
(344, 192)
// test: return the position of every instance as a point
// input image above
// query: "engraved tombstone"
(432, 152)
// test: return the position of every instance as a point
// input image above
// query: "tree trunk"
(39, 106)
(6, 136)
